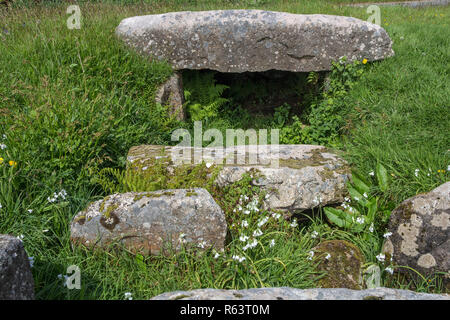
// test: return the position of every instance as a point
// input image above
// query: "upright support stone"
(16, 280)
(171, 94)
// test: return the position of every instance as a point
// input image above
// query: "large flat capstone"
(285, 293)
(152, 222)
(254, 40)
(294, 177)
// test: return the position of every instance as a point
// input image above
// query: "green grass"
(73, 99)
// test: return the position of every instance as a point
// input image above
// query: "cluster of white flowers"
(314, 234)
(244, 223)
(263, 221)
(416, 172)
(371, 228)
(347, 206)
(294, 223)
(62, 194)
(272, 243)
(257, 233)
(381, 257)
(310, 255)
(317, 200)
(250, 245)
(389, 269)
(202, 244)
(2, 145)
(181, 238)
(276, 216)
(238, 258)
(128, 295)
(360, 220)
(387, 234)
(243, 238)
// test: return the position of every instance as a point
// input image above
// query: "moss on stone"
(343, 267)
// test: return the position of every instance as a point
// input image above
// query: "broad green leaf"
(359, 183)
(382, 177)
(338, 217)
(356, 195)
(372, 209)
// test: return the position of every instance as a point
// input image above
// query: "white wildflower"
(208, 165)
(276, 215)
(181, 238)
(243, 238)
(389, 269)
(360, 220)
(238, 258)
(202, 244)
(272, 243)
(257, 233)
(244, 223)
(371, 173)
(30, 210)
(310, 255)
(20, 237)
(365, 195)
(387, 234)
(2, 146)
(128, 295)
(217, 255)
(328, 256)
(31, 260)
(263, 221)
(247, 212)
(294, 223)
(371, 228)
(416, 172)
(381, 257)
(314, 234)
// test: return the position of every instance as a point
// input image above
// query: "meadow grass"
(73, 99)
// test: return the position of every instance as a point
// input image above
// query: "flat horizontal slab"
(295, 177)
(285, 293)
(254, 40)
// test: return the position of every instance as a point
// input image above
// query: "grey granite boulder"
(285, 293)
(152, 222)
(295, 177)
(16, 279)
(254, 40)
(420, 229)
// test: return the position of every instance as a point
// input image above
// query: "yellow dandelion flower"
(1, 160)
(12, 163)
(364, 61)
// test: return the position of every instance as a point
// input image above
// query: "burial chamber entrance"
(255, 93)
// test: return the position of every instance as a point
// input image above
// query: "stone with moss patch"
(342, 262)
(152, 222)
(294, 177)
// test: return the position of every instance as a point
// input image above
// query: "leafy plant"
(359, 212)
(203, 95)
